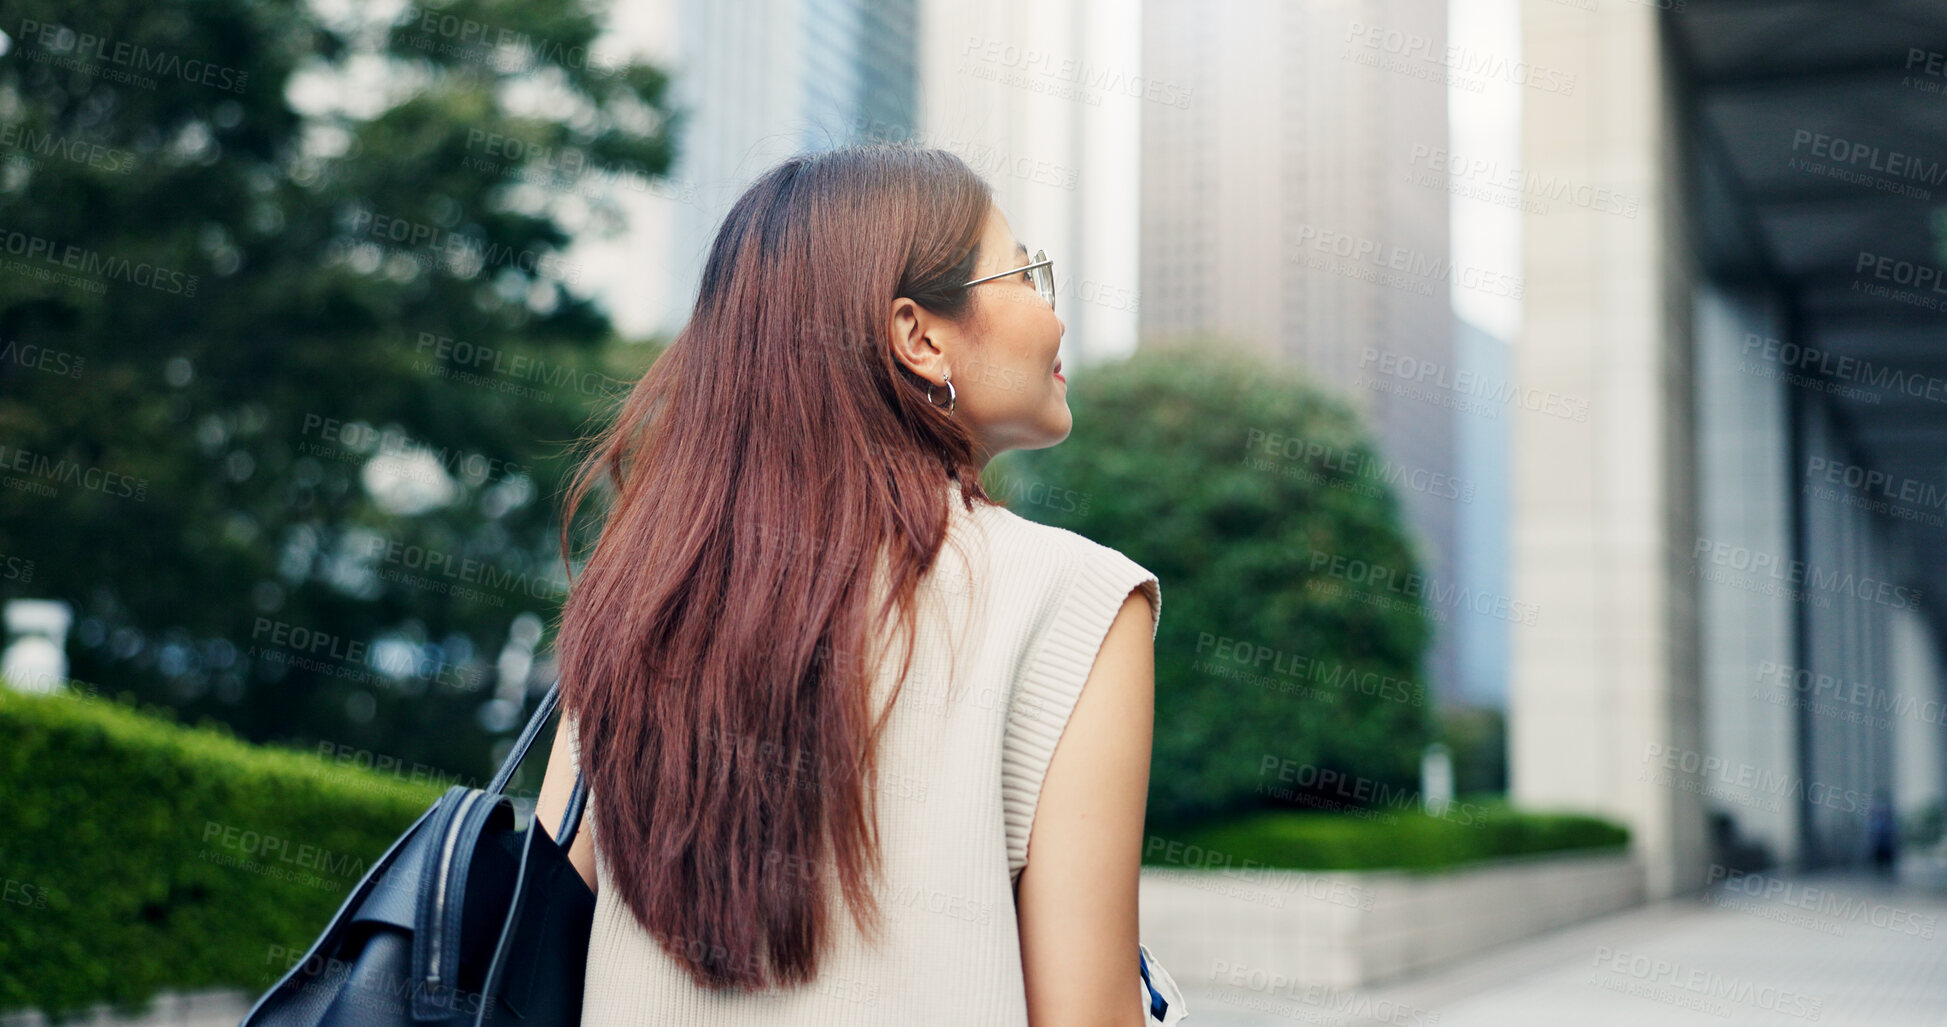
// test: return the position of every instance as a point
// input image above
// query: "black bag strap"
(526, 739)
(577, 799)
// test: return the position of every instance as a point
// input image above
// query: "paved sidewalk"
(1799, 950)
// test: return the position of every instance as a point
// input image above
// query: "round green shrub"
(1280, 655)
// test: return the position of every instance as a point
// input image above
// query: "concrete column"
(1745, 500)
(1603, 508)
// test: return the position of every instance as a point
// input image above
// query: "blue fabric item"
(1158, 1006)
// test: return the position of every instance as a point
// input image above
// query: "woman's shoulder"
(1027, 538)
(1062, 562)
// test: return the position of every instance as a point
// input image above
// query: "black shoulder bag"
(465, 920)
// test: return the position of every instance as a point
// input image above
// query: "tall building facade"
(1481, 456)
(1045, 100)
(757, 82)
(1287, 208)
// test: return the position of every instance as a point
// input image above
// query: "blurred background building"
(1279, 211)
(760, 82)
(1035, 97)
(1738, 554)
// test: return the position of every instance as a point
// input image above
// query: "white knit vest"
(1025, 608)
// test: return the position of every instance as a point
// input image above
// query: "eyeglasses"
(1041, 272)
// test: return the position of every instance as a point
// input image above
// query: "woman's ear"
(911, 331)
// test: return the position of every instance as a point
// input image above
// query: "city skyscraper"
(762, 80)
(1289, 208)
(1044, 100)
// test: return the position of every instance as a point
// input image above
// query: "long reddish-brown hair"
(771, 463)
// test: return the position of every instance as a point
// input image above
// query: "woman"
(788, 824)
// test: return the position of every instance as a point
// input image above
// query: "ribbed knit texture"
(1024, 613)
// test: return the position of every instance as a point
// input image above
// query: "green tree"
(1291, 639)
(293, 348)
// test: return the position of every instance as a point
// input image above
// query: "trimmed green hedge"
(143, 855)
(1470, 832)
